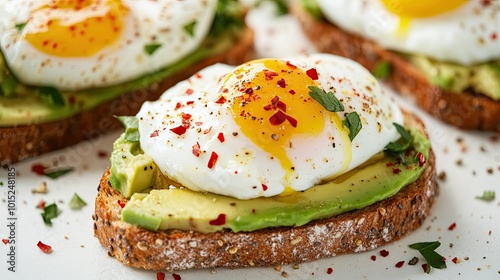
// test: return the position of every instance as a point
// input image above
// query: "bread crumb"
(284, 274)
(296, 240)
(296, 266)
(42, 188)
(278, 267)
(442, 176)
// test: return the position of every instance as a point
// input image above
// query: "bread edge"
(462, 110)
(351, 232)
(28, 141)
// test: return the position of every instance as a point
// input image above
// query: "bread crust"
(354, 231)
(463, 110)
(22, 142)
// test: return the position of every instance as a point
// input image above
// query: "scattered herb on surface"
(49, 212)
(487, 196)
(76, 202)
(427, 250)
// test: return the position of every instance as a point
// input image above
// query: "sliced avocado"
(181, 208)
(487, 79)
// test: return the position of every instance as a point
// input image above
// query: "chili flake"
(312, 73)
(373, 258)
(452, 226)
(160, 275)
(213, 159)
(292, 92)
(424, 267)
(179, 130)
(176, 276)
(400, 264)
(278, 118)
(122, 204)
(291, 120)
(5, 241)
(189, 91)
(264, 187)
(421, 159)
(196, 149)
(281, 83)
(329, 270)
(177, 106)
(455, 260)
(269, 74)
(384, 253)
(154, 134)
(221, 137)
(221, 220)
(291, 65)
(44, 247)
(221, 100)
(396, 170)
(38, 169)
(41, 204)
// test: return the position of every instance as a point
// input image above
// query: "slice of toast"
(22, 142)
(463, 110)
(350, 232)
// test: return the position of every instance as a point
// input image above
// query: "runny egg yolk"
(409, 9)
(77, 28)
(274, 106)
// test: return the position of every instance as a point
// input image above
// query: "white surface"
(78, 255)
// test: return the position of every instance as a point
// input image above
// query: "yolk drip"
(83, 38)
(409, 9)
(275, 106)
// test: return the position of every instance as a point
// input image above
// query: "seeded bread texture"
(464, 110)
(22, 142)
(351, 232)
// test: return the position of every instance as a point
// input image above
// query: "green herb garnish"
(51, 95)
(327, 100)
(402, 143)
(353, 122)
(487, 196)
(76, 202)
(382, 69)
(49, 212)
(20, 26)
(56, 173)
(131, 125)
(427, 250)
(189, 28)
(151, 48)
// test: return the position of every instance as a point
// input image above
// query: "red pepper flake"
(281, 83)
(176, 276)
(198, 75)
(452, 226)
(292, 92)
(249, 90)
(264, 187)
(189, 91)
(221, 100)
(177, 106)
(400, 264)
(196, 149)
(373, 258)
(290, 65)
(493, 36)
(421, 159)
(154, 134)
(268, 75)
(190, 102)
(44, 247)
(253, 210)
(102, 154)
(389, 164)
(291, 120)
(38, 169)
(424, 267)
(221, 220)
(455, 260)
(207, 131)
(5, 241)
(329, 270)
(278, 118)
(486, 3)
(312, 73)
(160, 275)
(122, 204)
(179, 130)
(213, 159)
(443, 259)
(221, 137)
(384, 253)
(396, 170)
(41, 204)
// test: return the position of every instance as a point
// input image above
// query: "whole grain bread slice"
(22, 142)
(464, 110)
(355, 231)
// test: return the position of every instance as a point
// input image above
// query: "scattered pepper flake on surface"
(5, 241)
(160, 275)
(329, 270)
(384, 253)
(176, 276)
(38, 169)
(41, 204)
(213, 159)
(373, 258)
(455, 260)
(452, 226)
(424, 267)
(44, 247)
(399, 264)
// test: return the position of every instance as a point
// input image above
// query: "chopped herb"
(20, 26)
(1, 183)
(76, 202)
(427, 250)
(51, 96)
(327, 100)
(382, 69)
(189, 28)
(131, 125)
(353, 122)
(49, 212)
(151, 48)
(402, 143)
(56, 173)
(487, 196)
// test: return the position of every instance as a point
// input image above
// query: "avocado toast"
(39, 119)
(147, 219)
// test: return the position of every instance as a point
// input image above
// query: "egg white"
(464, 35)
(160, 21)
(242, 167)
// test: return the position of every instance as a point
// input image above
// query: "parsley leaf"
(131, 125)
(189, 28)
(151, 48)
(76, 202)
(487, 196)
(427, 250)
(49, 212)
(51, 95)
(20, 26)
(382, 69)
(327, 100)
(56, 173)
(402, 143)
(353, 122)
